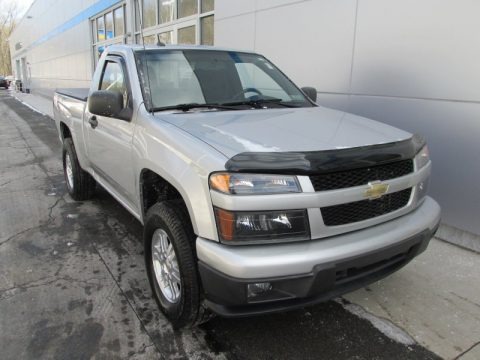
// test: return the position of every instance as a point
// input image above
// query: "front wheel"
(80, 184)
(171, 265)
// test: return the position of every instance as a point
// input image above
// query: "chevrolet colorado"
(253, 198)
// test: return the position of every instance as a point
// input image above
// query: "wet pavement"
(73, 284)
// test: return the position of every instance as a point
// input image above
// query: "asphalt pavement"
(73, 284)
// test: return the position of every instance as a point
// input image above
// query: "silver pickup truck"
(253, 198)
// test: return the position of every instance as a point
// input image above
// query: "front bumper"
(309, 272)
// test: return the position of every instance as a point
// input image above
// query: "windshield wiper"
(257, 103)
(188, 107)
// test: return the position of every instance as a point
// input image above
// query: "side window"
(113, 79)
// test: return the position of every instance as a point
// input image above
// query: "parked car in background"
(4, 82)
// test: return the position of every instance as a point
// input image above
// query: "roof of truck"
(175, 47)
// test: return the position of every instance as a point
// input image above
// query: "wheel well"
(154, 189)
(65, 131)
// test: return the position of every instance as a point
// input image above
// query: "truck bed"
(76, 93)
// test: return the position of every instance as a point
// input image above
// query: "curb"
(16, 97)
(28, 105)
(458, 237)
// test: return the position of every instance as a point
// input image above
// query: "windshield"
(178, 77)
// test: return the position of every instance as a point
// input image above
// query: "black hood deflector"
(318, 162)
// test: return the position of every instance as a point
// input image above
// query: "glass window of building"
(176, 21)
(149, 13)
(108, 28)
(109, 25)
(187, 8)
(208, 5)
(166, 37)
(99, 51)
(100, 29)
(119, 22)
(150, 40)
(167, 11)
(186, 35)
(207, 24)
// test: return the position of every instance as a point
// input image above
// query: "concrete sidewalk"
(435, 299)
(38, 103)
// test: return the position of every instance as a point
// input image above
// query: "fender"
(183, 161)
(70, 111)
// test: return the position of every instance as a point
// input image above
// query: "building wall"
(55, 59)
(413, 64)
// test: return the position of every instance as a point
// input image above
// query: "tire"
(80, 184)
(171, 219)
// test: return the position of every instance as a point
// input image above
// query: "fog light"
(258, 289)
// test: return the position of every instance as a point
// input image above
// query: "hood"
(283, 130)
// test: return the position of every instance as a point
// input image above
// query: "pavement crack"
(24, 287)
(465, 299)
(48, 280)
(51, 208)
(6, 183)
(467, 351)
(18, 234)
(49, 221)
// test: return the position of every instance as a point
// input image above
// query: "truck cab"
(253, 198)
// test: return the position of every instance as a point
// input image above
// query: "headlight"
(253, 184)
(244, 227)
(422, 158)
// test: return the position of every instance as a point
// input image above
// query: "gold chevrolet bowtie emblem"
(376, 190)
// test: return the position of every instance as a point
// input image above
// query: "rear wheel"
(171, 263)
(80, 184)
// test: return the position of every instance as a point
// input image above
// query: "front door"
(110, 139)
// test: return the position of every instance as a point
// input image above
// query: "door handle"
(93, 122)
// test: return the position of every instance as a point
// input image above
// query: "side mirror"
(311, 92)
(106, 103)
